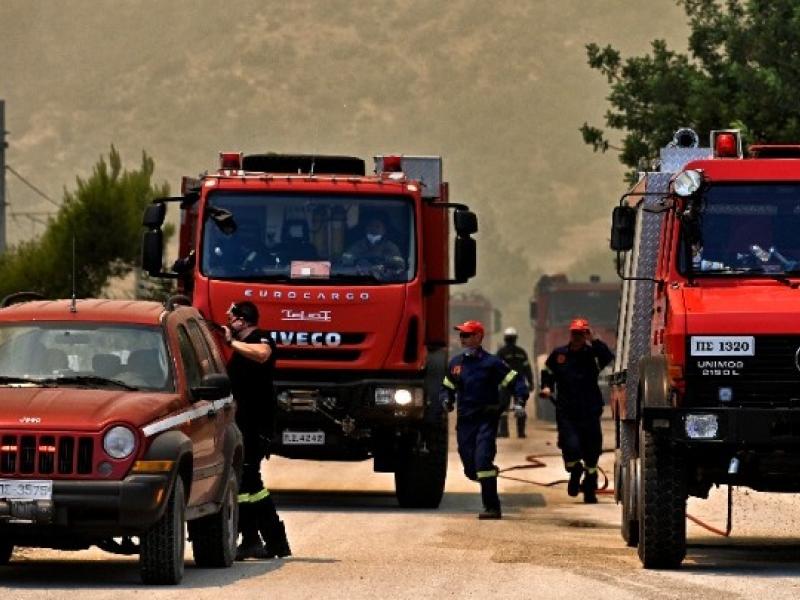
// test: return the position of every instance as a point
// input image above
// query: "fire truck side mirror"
(466, 258)
(154, 215)
(152, 251)
(465, 222)
(623, 222)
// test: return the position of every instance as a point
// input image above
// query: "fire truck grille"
(347, 351)
(52, 455)
(769, 378)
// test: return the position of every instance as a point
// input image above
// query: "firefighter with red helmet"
(570, 380)
(473, 383)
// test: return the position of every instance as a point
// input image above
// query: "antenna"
(73, 307)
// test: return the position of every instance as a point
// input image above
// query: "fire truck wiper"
(86, 380)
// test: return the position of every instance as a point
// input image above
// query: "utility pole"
(3, 146)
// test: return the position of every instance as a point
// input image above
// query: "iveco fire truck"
(706, 383)
(349, 272)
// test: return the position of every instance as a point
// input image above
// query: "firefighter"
(516, 358)
(473, 381)
(250, 369)
(571, 372)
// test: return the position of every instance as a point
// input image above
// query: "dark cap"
(246, 310)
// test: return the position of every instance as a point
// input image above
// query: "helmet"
(245, 310)
(579, 324)
(510, 331)
(471, 327)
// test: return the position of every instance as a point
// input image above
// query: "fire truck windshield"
(598, 306)
(318, 238)
(744, 229)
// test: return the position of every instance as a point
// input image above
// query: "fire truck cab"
(349, 272)
(706, 383)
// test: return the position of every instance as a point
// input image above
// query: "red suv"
(116, 421)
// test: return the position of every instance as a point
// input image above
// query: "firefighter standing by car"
(572, 371)
(516, 358)
(473, 381)
(250, 369)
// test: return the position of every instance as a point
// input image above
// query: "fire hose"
(533, 461)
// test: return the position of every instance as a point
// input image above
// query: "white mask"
(374, 238)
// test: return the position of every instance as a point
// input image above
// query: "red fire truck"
(556, 301)
(706, 383)
(474, 306)
(350, 274)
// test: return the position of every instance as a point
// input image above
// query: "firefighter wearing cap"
(572, 371)
(516, 358)
(250, 369)
(473, 381)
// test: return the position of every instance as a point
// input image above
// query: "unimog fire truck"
(349, 272)
(706, 382)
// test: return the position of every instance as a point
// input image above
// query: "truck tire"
(421, 472)
(162, 546)
(214, 536)
(630, 486)
(662, 504)
(6, 549)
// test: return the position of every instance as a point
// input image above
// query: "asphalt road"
(350, 540)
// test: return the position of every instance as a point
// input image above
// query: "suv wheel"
(214, 537)
(662, 504)
(162, 546)
(420, 476)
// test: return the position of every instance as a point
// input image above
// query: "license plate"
(26, 489)
(303, 438)
(723, 345)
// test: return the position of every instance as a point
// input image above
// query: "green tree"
(742, 71)
(104, 216)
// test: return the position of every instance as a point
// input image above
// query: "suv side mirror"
(212, 387)
(466, 259)
(154, 215)
(465, 222)
(152, 251)
(623, 223)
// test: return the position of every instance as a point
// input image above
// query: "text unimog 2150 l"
(349, 273)
(706, 383)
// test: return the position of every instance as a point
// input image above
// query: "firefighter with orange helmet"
(473, 383)
(570, 380)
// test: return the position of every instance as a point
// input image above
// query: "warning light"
(230, 160)
(393, 164)
(726, 144)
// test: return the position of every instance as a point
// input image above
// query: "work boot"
(277, 544)
(251, 547)
(589, 486)
(490, 514)
(502, 427)
(574, 484)
(521, 427)
(491, 501)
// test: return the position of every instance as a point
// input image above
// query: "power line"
(33, 187)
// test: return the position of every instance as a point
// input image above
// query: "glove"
(448, 405)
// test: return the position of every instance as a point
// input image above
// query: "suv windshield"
(95, 355)
(318, 238)
(744, 228)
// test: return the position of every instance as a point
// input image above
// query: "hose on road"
(534, 461)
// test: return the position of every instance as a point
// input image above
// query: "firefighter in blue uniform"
(473, 381)
(572, 371)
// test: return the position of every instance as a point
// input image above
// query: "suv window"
(208, 362)
(191, 363)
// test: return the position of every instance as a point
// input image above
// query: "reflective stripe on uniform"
(245, 498)
(447, 383)
(487, 474)
(509, 378)
(591, 470)
(571, 463)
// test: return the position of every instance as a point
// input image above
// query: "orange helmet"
(579, 324)
(471, 327)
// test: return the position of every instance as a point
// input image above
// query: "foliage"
(104, 217)
(742, 71)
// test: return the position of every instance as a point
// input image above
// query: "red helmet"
(579, 324)
(471, 327)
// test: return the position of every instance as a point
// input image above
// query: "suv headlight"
(119, 442)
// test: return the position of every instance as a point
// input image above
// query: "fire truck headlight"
(687, 183)
(702, 427)
(398, 396)
(119, 442)
(403, 397)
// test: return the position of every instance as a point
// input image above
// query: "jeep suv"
(116, 424)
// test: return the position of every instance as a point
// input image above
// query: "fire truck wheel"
(662, 504)
(162, 546)
(214, 537)
(630, 487)
(421, 472)
(6, 548)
